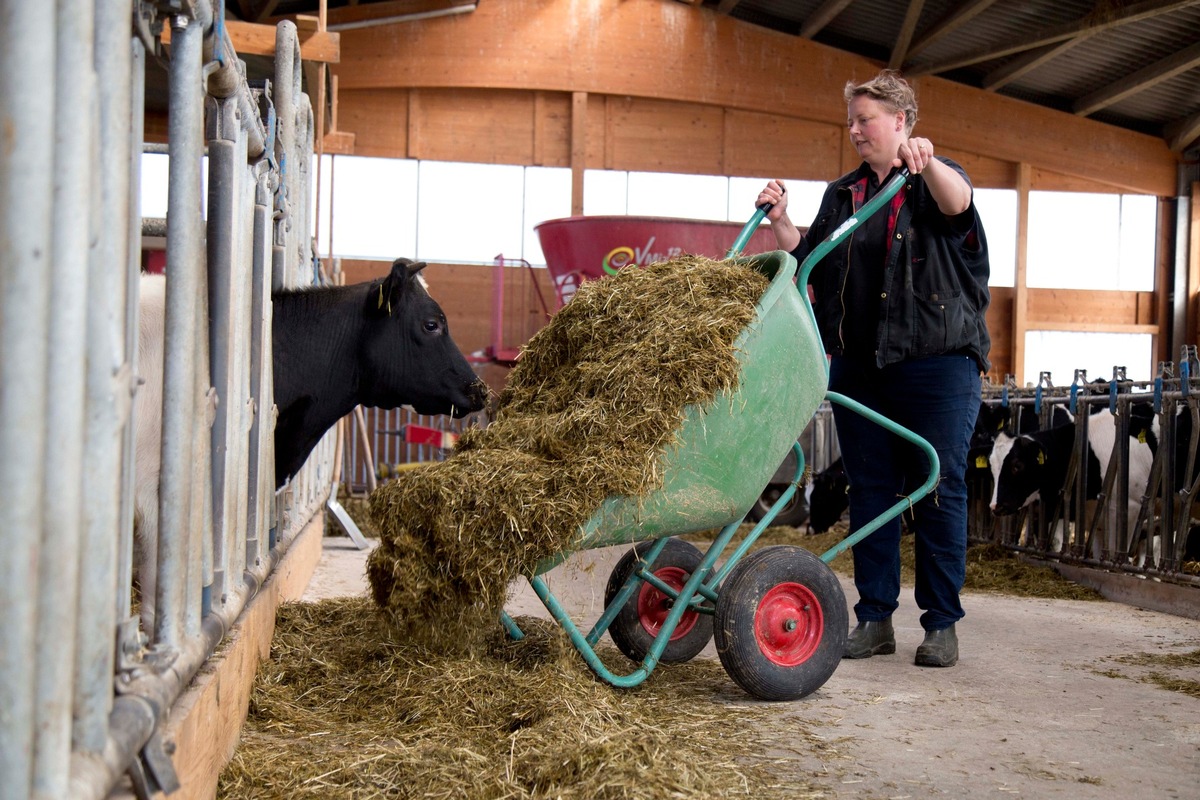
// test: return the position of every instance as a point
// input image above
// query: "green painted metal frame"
(700, 592)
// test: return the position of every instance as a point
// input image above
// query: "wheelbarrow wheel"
(636, 626)
(781, 623)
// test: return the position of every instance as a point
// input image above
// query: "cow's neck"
(316, 367)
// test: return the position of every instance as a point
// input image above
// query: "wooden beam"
(340, 143)
(1147, 9)
(950, 23)
(530, 45)
(253, 39)
(1028, 62)
(822, 16)
(1141, 80)
(900, 48)
(395, 11)
(579, 104)
(1164, 272)
(1193, 269)
(1183, 132)
(267, 10)
(1020, 284)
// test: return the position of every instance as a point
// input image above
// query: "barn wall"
(675, 89)
(648, 85)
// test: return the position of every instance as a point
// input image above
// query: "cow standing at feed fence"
(1033, 466)
(384, 343)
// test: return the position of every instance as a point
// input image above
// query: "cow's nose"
(477, 392)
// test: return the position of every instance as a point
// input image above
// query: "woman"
(900, 307)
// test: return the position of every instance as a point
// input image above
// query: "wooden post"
(1020, 289)
(1193, 280)
(579, 101)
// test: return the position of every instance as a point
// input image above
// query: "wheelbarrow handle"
(845, 229)
(849, 226)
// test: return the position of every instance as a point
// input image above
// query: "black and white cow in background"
(1033, 466)
(384, 343)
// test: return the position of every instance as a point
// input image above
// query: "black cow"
(383, 343)
(828, 497)
(1033, 466)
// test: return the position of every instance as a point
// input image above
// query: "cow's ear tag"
(981, 462)
(1041, 459)
(1142, 437)
(380, 305)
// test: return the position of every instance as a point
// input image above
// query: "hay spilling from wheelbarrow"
(347, 708)
(594, 401)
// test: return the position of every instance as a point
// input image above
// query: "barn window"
(998, 210)
(1091, 241)
(1062, 352)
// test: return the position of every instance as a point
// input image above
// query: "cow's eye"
(432, 326)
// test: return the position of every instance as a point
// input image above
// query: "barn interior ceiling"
(1130, 63)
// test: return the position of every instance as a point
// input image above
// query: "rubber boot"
(940, 649)
(874, 638)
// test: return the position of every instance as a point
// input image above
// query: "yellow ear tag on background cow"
(981, 462)
(1142, 437)
(1041, 456)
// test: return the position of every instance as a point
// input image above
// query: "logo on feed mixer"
(620, 257)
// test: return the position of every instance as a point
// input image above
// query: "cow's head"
(1016, 464)
(409, 357)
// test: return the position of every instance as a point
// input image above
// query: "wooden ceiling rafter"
(1091, 24)
(1139, 81)
(900, 49)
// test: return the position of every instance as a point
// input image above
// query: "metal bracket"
(347, 524)
(153, 771)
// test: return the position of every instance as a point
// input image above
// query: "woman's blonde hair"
(890, 90)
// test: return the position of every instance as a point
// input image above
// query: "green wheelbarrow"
(778, 615)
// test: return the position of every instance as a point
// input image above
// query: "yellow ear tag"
(1142, 437)
(981, 462)
(1041, 457)
(380, 296)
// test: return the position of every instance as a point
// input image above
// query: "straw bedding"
(347, 708)
(596, 397)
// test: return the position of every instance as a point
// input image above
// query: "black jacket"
(935, 280)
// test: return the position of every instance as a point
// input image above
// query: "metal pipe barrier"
(1147, 530)
(84, 687)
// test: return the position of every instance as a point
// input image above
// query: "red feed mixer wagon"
(584, 248)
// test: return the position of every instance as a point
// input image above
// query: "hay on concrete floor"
(347, 708)
(990, 567)
(596, 397)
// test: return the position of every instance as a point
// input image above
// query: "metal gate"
(82, 687)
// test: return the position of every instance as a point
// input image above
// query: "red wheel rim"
(653, 606)
(788, 624)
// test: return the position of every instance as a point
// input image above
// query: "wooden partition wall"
(653, 85)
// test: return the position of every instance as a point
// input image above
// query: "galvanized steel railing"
(82, 688)
(1098, 533)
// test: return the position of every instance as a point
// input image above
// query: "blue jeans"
(935, 397)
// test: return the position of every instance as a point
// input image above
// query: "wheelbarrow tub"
(727, 451)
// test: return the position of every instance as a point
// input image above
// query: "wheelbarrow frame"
(700, 592)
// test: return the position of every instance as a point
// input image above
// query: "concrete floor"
(1038, 706)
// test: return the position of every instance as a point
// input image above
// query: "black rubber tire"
(765, 593)
(795, 513)
(634, 629)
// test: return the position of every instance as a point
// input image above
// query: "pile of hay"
(597, 396)
(347, 708)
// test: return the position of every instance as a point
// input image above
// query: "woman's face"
(873, 130)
